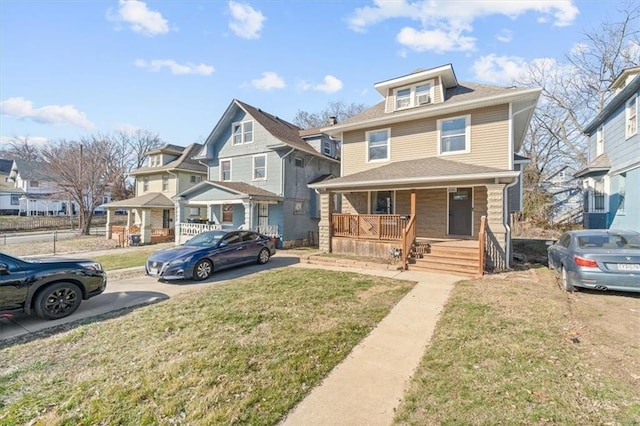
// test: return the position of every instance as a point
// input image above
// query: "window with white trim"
(15, 199)
(631, 113)
(415, 95)
(227, 213)
(225, 170)
(260, 167)
(145, 184)
(382, 202)
(595, 195)
(326, 148)
(165, 183)
(195, 179)
(299, 162)
(454, 135)
(600, 141)
(242, 132)
(378, 145)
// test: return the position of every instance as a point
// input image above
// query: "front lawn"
(242, 352)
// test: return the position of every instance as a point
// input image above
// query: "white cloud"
(499, 69)
(50, 114)
(246, 21)
(505, 36)
(330, 84)
(127, 128)
(140, 18)
(269, 81)
(449, 22)
(175, 68)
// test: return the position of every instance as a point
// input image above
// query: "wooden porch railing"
(408, 238)
(481, 244)
(369, 226)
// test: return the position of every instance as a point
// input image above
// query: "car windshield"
(609, 241)
(205, 239)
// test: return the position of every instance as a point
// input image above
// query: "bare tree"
(337, 109)
(21, 148)
(574, 92)
(132, 148)
(85, 170)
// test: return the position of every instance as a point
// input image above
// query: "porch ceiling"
(425, 171)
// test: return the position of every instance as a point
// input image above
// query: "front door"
(460, 211)
(166, 214)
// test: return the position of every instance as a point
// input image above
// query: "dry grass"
(243, 352)
(515, 349)
(77, 244)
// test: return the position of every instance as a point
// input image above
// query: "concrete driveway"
(123, 293)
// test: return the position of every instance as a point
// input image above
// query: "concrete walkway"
(368, 386)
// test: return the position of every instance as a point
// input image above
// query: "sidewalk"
(367, 387)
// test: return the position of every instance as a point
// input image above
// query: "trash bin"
(134, 239)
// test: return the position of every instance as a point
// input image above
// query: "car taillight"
(581, 261)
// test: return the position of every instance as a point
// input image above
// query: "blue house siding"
(629, 217)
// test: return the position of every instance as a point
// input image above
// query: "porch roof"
(152, 199)
(419, 171)
(238, 188)
(599, 166)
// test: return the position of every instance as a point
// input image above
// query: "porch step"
(454, 252)
(429, 263)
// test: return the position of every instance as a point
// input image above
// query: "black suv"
(51, 287)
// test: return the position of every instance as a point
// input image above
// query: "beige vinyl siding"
(419, 139)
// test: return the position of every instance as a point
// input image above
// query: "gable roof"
(32, 170)
(184, 162)
(619, 99)
(5, 166)
(422, 170)
(166, 149)
(239, 188)
(152, 199)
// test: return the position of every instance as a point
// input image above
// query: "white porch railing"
(192, 229)
(268, 230)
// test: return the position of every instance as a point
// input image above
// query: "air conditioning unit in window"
(424, 99)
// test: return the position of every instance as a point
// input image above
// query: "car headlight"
(94, 266)
(180, 261)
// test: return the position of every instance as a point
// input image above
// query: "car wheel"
(202, 270)
(566, 285)
(263, 256)
(57, 301)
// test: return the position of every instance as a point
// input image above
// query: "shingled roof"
(184, 162)
(281, 129)
(33, 170)
(239, 188)
(152, 199)
(432, 169)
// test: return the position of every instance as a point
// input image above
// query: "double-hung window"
(260, 167)
(423, 94)
(378, 145)
(631, 117)
(403, 98)
(145, 184)
(165, 183)
(454, 135)
(600, 141)
(242, 132)
(225, 170)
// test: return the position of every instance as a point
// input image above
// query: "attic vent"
(424, 99)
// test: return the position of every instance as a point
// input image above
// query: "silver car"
(599, 259)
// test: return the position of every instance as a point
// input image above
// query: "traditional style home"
(611, 181)
(428, 173)
(259, 167)
(168, 170)
(41, 193)
(9, 194)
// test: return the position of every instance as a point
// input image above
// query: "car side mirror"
(551, 242)
(223, 244)
(4, 269)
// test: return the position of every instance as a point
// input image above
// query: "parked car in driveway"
(599, 259)
(208, 252)
(52, 287)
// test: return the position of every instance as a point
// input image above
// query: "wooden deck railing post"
(481, 244)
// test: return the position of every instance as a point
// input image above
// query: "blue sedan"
(208, 252)
(597, 259)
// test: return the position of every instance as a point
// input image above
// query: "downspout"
(505, 218)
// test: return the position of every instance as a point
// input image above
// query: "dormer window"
(631, 117)
(242, 132)
(413, 96)
(155, 161)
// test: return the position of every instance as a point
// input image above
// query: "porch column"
(495, 222)
(108, 224)
(145, 226)
(247, 214)
(179, 218)
(324, 225)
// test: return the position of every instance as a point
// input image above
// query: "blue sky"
(71, 68)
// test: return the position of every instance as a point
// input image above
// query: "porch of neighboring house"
(150, 220)
(442, 229)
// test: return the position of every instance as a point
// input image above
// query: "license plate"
(628, 267)
(153, 271)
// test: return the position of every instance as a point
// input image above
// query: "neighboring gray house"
(41, 194)
(259, 166)
(611, 181)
